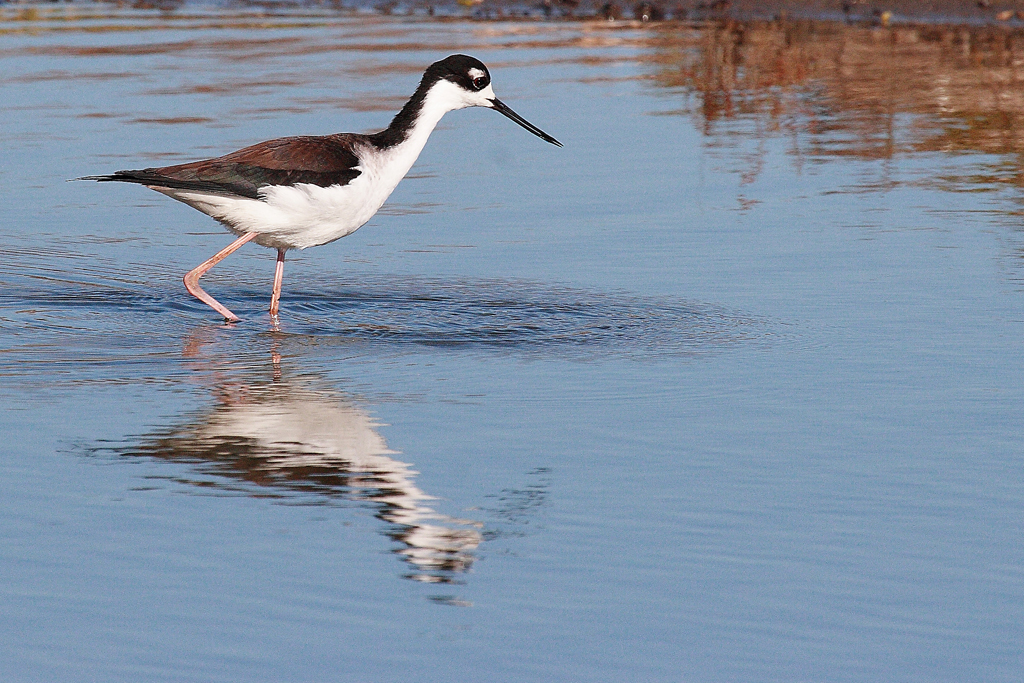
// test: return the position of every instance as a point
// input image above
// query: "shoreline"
(967, 13)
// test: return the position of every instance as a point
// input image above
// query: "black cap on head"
(470, 74)
(463, 70)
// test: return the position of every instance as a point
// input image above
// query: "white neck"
(442, 97)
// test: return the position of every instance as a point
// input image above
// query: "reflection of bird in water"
(298, 441)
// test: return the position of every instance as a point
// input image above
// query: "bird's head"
(461, 81)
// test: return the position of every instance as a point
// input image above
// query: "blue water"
(702, 396)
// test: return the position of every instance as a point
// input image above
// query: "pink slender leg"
(192, 278)
(278, 276)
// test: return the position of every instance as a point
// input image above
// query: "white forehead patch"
(476, 73)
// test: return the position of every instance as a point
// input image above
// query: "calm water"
(728, 389)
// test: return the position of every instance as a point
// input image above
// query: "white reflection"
(294, 440)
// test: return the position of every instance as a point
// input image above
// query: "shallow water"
(727, 389)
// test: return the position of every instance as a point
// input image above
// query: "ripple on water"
(50, 321)
(516, 316)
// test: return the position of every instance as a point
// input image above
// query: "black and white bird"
(304, 191)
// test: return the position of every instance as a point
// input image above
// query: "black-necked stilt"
(304, 191)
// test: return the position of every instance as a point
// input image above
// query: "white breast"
(301, 216)
(296, 216)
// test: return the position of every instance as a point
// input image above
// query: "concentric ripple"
(518, 316)
(53, 322)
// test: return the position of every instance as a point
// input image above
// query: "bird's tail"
(153, 178)
(144, 177)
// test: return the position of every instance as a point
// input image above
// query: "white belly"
(303, 215)
(292, 217)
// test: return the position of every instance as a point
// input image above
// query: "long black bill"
(501, 107)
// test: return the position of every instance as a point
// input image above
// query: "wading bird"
(304, 191)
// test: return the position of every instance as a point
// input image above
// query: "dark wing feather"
(323, 161)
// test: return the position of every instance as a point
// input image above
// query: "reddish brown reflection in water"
(842, 90)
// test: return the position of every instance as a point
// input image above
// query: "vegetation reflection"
(867, 92)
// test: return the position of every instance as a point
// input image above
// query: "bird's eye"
(480, 82)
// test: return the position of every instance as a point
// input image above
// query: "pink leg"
(192, 278)
(278, 276)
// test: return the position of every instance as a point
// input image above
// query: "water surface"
(727, 389)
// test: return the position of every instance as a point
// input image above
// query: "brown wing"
(324, 161)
